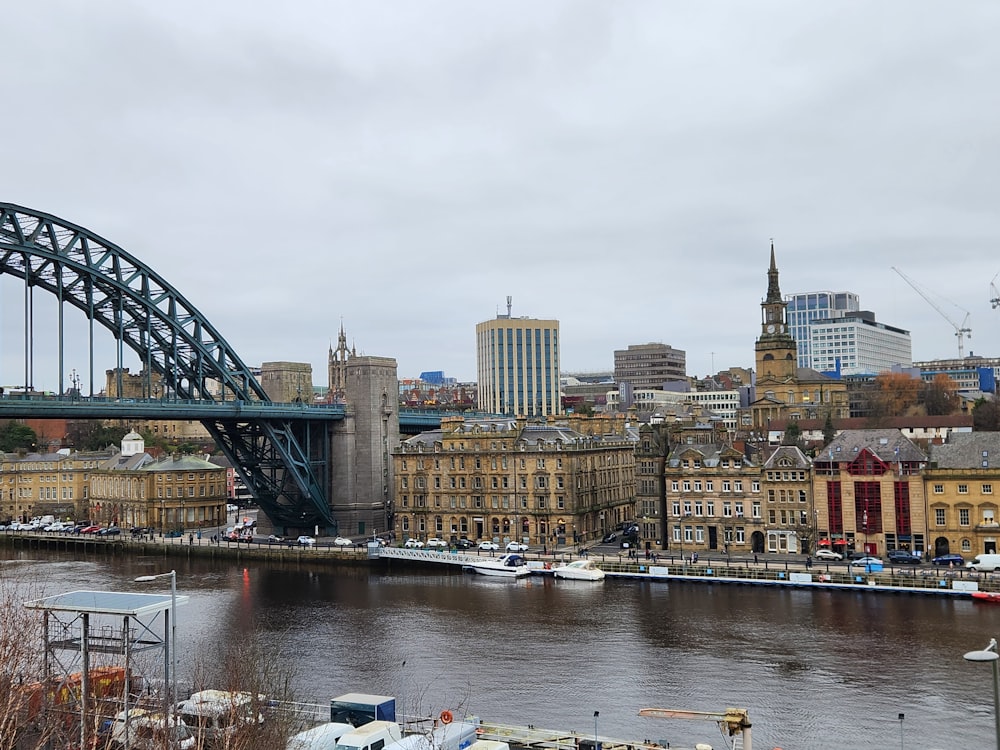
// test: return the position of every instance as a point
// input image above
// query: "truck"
(360, 708)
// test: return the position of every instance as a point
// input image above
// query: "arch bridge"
(280, 450)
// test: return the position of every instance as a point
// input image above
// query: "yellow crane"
(732, 720)
(960, 330)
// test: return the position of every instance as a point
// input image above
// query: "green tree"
(829, 431)
(16, 436)
(986, 416)
(940, 396)
(793, 434)
(93, 435)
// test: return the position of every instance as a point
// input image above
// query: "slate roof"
(967, 450)
(891, 446)
(792, 452)
(711, 454)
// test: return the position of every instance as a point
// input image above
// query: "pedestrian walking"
(755, 560)
(809, 562)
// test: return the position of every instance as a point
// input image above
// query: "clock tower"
(776, 352)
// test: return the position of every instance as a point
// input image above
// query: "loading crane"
(994, 293)
(732, 720)
(960, 330)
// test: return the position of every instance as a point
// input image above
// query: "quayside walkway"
(958, 582)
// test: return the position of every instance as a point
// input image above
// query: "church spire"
(773, 291)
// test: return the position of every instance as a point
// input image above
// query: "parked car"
(864, 562)
(110, 531)
(516, 547)
(306, 541)
(489, 546)
(902, 557)
(436, 542)
(609, 537)
(949, 559)
(828, 554)
(93, 529)
(464, 543)
(343, 541)
(413, 543)
(274, 539)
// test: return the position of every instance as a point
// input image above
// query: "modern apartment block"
(645, 366)
(856, 344)
(804, 309)
(517, 360)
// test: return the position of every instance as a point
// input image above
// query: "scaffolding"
(96, 647)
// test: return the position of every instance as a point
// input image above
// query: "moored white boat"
(579, 570)
(507, 566)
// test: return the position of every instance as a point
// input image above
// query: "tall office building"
(650, 365)
(803, 309)
(857, 344)
(517, 360)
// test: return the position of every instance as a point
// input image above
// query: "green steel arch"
(143, 312)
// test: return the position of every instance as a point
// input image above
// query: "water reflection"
(815, 669)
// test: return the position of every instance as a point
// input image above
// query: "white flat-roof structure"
(76, 626)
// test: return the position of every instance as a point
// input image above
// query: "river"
(816, 670)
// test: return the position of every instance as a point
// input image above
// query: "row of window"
(729, 509)
(965, 516)
(709, 485)
(697, 534)
(541, 502)
(963, 489)
(542, 482)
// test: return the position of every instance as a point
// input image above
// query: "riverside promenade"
(767, 571)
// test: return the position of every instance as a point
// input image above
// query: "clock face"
(770, 328)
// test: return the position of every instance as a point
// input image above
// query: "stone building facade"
(40, 484)
(132, 489)
(713, 495)
(962, 482)
(539, 482)
(789, 512)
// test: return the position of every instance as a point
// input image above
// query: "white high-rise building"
(859, 344)
(517, 360)
(804, 309)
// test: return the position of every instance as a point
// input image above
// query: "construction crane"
(994, 293)
(961, 331)
(732, 720)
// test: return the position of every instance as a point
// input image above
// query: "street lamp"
(990, 654)
(170, 662)
(596, 744)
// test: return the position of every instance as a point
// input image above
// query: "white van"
(140, 729)
(215, 714)
(985, 563)
(374, 735)
(322, 737)
(458, 736)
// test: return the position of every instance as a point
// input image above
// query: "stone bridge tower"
(361, 473)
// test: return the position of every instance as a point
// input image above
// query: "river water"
(816, 670)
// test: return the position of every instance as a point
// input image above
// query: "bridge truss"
(278, 457)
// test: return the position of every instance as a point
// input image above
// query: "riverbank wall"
(780, 573)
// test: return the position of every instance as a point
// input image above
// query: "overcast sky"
(619, 166)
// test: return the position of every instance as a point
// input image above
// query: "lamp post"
(990, 654)
(901, 717)
(596, 743)
(171, 661)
